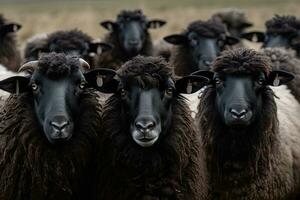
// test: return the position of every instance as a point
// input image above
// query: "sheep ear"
(190, 84)
(254, 36)
(246, 24)
(10, 28)
(15, 84)
(102, 80)
(156, 23)
(231, 40)
(99, 47)
(109, 25)
(295, 42)
(207, 74)
(176, 39)
(279, 77)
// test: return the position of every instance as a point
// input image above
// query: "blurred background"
(45, 16)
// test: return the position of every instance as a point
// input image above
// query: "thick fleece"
(171, 169)
(262, 160)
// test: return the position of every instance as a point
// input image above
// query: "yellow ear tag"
(17, 88)
(189, 88)
(276, 81)
(99, 80)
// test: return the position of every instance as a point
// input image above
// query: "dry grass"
(47, 16)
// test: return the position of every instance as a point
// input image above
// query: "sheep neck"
(239, 153)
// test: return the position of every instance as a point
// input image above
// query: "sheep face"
(131, 29)
(238, 98)
(6, 29)
(146, 101)
(132, 35)
(281, 31)
(279, 40)
(239, 95)
(149, 110)
(149, 106)
(202, 50)
(56, 102)
(55, 88)
(55, 112)
(273, 40)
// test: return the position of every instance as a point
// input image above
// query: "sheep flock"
(195, 115)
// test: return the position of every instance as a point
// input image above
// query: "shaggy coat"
(281, 59)
(33, 169)
(72, 39)
(115, 58)
(233, 19)
(260, 162)
(180, 54)
(283, 24)
(9, 53)
(172, 169)
(34, 47)
(287, 25)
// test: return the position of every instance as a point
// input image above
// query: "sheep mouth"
(145, 142)
(145, 139)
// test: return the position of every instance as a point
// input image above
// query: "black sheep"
(150, 150)
(47, 142)
(129, 36)
(198, 46)
(281, 31)
(72, 42)
(252, 148)
(234, 19)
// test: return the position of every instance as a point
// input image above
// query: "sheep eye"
(123, 92)
(260, 81)
(169, 91)
(34, 86)
(217, 80)
(194, 42)
(220, 43)
(82, 84)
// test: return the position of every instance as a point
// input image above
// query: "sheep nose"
(133, 42)
(207, 62)
(59, 123)
(238, 113)
(145, 125)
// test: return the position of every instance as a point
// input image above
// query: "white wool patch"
(4, 74)
(193, 101)
(288, 111)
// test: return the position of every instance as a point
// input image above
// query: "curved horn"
(84, 64)
(29, 66)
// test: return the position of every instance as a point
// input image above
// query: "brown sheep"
(252, 149)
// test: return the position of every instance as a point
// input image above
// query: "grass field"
(44, 16)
